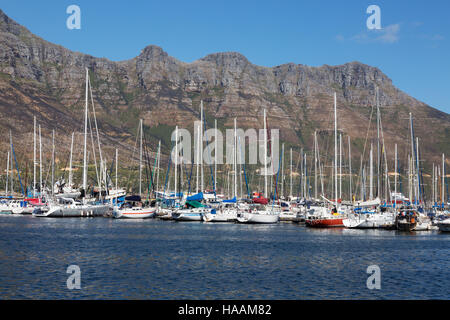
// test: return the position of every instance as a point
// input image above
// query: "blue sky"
(412, 48)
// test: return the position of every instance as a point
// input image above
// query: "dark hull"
(405, 226)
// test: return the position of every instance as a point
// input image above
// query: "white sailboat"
(68, 207)
(260, 214)
(133, 207)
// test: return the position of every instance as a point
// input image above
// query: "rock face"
(43, 79)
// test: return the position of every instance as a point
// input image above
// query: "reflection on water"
(152, 259)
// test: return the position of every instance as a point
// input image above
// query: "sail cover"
(133, 198)
(194, 204)
(230, 200)
(196, 197)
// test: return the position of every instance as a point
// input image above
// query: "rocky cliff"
(43, 79)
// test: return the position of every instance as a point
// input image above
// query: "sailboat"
(133, 208)
(412, 218)
(258, 213)
(334, 217)
(227, 210)
(68, 207)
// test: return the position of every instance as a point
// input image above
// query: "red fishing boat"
(327, 220)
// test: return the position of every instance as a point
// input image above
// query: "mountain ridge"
(44, 79)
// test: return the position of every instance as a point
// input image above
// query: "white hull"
(71, 195)
(423, 225)
(225, 216)
(135, 213)
(288, 216)
(188, 215)
(61, 211)
(259, 218)
(370, 221)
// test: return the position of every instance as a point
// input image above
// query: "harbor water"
(153, 259)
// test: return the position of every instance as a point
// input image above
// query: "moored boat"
(444, 225)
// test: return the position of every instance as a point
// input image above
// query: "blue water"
(152, 259)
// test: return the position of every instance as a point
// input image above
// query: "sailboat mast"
(53, 162)
(350, 169)
(305, 187)
(201, 145)
(290, 187)
(7, 175)
(85, 137)
(235, 159)
(435, 184)
(412, 172)
(157, 170)
(140, 159)
(443, 180)
(315, 164)
(117, 165)
(70, 162)
(378, 146)
(265, 156)
(215, 156)
(340, 166)
(418, 170)
(335, 150)
(371, 174)
(282, 170)
(409, 179)
(40, 161)
(34, 159)
(395, 177)
(176, 159)
(11, 162)
(198, 153)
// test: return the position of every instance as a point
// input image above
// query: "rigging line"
(243, 161)
(132, 157)
(190, 176)
(388, 183)
(65, 166)
(95, 121)
(147, 167)
(168, 171)
(359, 181)
(209, 155)
(17, 167)
(154, 172)
(93, 151)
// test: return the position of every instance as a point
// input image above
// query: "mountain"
(44, 79)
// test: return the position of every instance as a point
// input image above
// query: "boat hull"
(67, 212)
(187, 216)
(258, 218)
(325, 223)
(226, 216)
(141, 213)
(371, 222)
(287, 217)
(405, 226)
(444, 226)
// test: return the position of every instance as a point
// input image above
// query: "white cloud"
(389, 34)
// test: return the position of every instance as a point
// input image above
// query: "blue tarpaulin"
(196, 197)
(230, 200)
